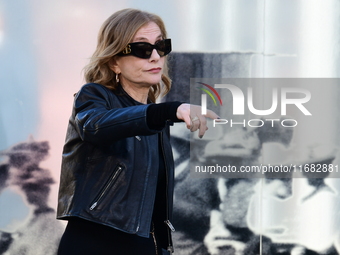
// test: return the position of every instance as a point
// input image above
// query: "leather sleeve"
(101, 118)
(159, 114)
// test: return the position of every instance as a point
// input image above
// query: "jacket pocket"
(112, 179)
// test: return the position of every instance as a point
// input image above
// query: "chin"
(153, 82)
(154, 78)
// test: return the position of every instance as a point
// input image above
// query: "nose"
(154, 55)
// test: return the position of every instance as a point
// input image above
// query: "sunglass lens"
(142, 50)
(163, 47)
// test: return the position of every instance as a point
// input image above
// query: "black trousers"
(82, 237)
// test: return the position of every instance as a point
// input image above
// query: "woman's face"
(134, 71)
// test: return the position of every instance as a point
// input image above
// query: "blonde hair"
(115, 33)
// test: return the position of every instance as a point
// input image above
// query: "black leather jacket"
(110, 162)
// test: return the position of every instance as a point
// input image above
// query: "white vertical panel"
(319, 38)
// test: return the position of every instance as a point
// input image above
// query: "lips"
(154, 70)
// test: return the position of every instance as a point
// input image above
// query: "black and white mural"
(28, 224)
(257, 212)
(45, 45)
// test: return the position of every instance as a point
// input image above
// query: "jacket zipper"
(104, 190)
(167, 221)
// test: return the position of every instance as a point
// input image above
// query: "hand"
(193, 118)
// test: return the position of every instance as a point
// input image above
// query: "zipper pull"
(138, 138)
(167, 222)
(93, 206)
(170, 249)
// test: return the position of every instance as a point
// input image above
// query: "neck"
(140, 94)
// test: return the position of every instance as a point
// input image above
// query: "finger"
(187, 121)
(211, 115)
(203, 127)
(195, 124)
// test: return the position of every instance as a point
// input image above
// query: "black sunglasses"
(144, 49)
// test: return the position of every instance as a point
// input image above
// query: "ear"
(114, 65)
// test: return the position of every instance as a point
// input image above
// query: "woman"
(116, 182)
